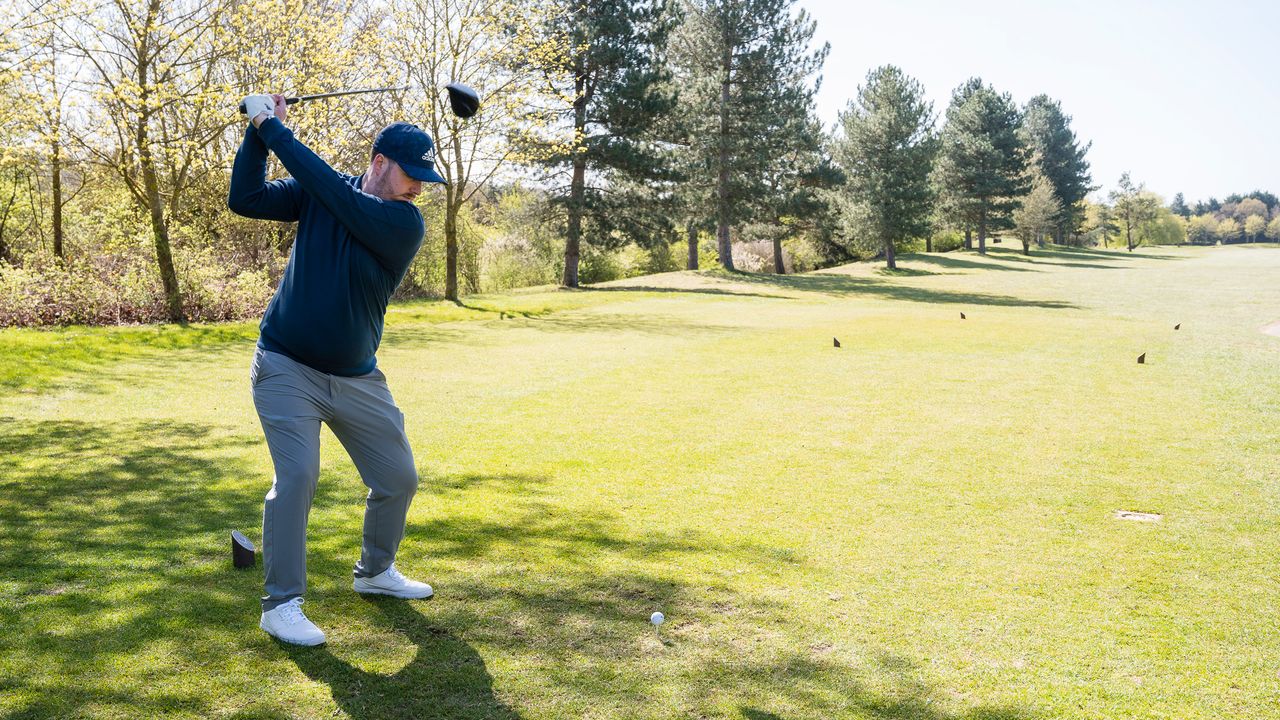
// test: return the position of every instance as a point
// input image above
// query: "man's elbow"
(239, 205)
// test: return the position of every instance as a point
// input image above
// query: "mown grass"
(916, 525)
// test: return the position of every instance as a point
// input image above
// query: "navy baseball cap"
(411, 147)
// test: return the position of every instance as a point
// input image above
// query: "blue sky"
(1185, 96)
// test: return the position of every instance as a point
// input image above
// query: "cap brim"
(425, 174)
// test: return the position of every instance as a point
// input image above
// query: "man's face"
(389, 182)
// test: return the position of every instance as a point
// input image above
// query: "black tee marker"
(837, 342)
(1142, 359)
(241, 550)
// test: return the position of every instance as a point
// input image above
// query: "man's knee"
(403, 482)
(295, 480)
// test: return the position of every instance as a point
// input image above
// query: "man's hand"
(261, 107)
(255, 105)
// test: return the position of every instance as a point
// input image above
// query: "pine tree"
(751, 87)
(1046, 133)
(887, 153)
(617, 72)
(980, 169)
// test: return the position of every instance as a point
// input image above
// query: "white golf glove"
(255, 105)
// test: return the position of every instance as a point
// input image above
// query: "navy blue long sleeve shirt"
(351, 252)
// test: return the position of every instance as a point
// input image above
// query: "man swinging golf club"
(315, 358)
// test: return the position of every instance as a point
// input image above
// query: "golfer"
(315, 357)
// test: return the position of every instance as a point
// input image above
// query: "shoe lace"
(291, 612)
(394, 574)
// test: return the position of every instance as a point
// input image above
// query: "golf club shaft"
(305, 98)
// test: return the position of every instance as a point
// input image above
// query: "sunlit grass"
(918, 524)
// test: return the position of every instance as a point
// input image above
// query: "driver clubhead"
(464, 101)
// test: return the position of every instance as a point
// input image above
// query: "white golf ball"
(657, 618)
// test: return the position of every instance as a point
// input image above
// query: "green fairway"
(918, 524)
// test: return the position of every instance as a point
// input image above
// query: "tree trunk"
(890, 260)
(1128, 236)
(5, 255)
(160, 230)
(450, 246)
(982, 233)
(578, 185)
(1026, 246)
(55, 170)
(55, 158)
(724, 243)
(692, 230)
(968, 239)
(573, 243)
(779, 267)
(152, 201)
(928, 243)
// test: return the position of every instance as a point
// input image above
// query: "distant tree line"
(616, 137)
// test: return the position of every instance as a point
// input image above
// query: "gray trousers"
(292, 400)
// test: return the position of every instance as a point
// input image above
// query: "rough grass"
(919, 524)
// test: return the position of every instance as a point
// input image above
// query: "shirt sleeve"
(251, 195)
(390, 229)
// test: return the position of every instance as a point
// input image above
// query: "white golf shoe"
(287, 623)
(392, 583)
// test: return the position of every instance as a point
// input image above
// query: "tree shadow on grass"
(114, 546)
(839, 285)
(118, 598)
(909, 700)
(959, 263)
(1108, 253)
(1049, 259)
(691, 291)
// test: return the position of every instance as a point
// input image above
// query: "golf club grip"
(287, 101)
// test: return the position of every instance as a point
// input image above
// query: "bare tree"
(152, 65)
(491, 46)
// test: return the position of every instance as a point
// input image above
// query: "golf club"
(463, 100)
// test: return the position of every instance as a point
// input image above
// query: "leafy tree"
(1099, 223)
(616, 76)
(980, 168)
(1273, 229)
(1039, 211)
(1255, 227)
(1229, 230)
(1179, 207)
(886, 152)
(1046, 132)
(1164, 228)
(1202, 229)
(1244, 208)
(752, 81)
(1266, 198)
(1134, 208)
(153, 65)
